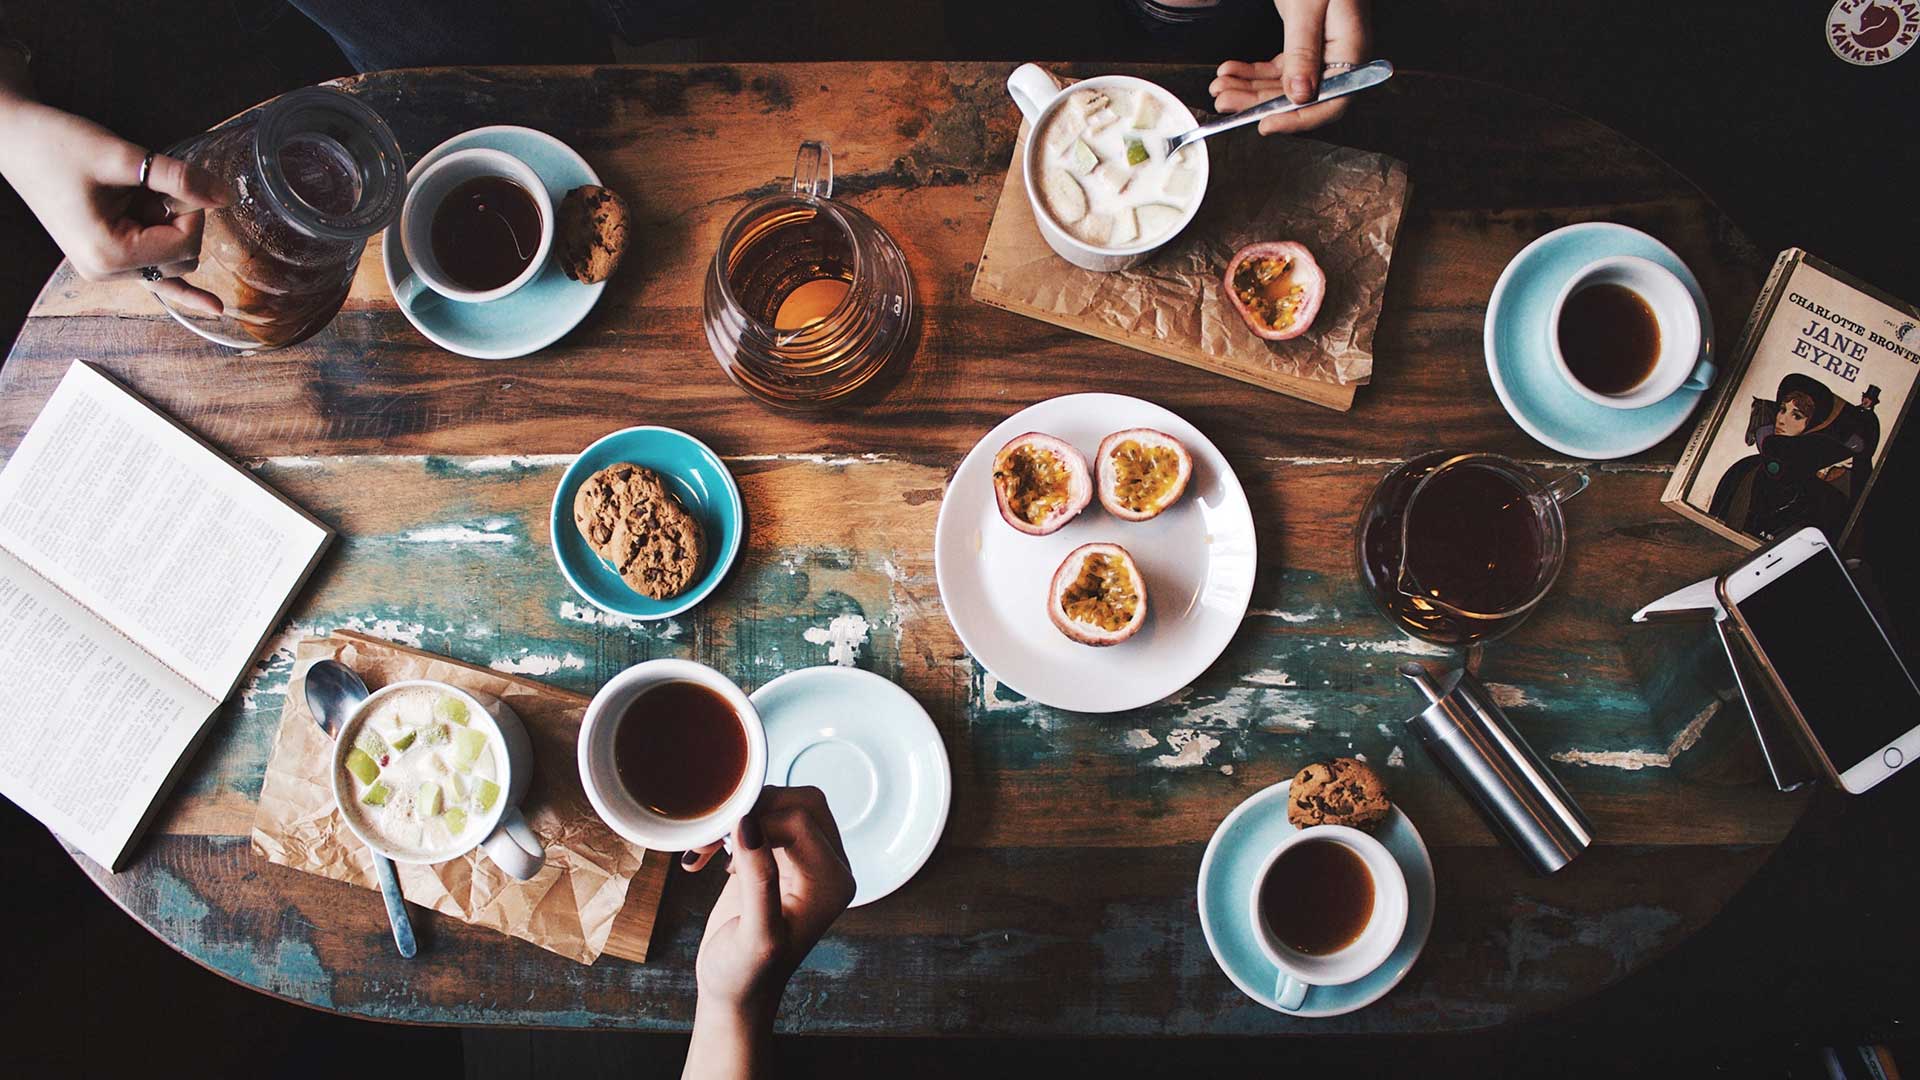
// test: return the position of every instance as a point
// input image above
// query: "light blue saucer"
(538, 313)
(1227, 871)
(870, 747)
(696, 475)
(1533, 390)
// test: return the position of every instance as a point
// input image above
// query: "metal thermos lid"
(1513, 789)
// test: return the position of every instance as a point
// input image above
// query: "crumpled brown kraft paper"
(592, 880)
(1343, 204)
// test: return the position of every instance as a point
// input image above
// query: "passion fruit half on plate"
(1141, 472)
(1098, 596)
(1276, 286)
(1040, 482)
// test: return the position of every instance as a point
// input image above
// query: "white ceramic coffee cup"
(424, 196)
(620, 810)
(1039, 95)
(1674, 311)
(504, 835)
(1300, 971)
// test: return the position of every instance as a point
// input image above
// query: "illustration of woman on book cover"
(1814, 457)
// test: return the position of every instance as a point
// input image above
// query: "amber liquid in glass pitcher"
(808, 302)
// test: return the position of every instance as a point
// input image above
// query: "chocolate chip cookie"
(1338, 792)
(633, 520)
(592, 234)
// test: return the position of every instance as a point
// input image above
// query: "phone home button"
(1892, 757)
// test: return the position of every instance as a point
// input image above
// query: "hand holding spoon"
(1372, 73)
(333, 692)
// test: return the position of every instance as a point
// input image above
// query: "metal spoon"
(333, 692)
(1346, 82)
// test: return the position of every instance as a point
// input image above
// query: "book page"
(160, 536)
(92, 729)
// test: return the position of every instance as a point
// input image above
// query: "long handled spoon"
(1372, 73)
(333, 692)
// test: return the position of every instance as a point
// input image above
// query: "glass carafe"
(808, 301)
(310, 175)
(1458, 548)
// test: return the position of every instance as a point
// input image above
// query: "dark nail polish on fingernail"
(750, 833)
(689, 859)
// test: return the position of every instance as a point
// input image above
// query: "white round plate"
(870, 747)
(1198, 559)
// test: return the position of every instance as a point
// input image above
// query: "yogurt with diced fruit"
(1104, 175)
(421, 774)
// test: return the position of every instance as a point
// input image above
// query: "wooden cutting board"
(1344, 204)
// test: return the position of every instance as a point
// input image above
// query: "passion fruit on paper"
(1276, 286)
(1141, 472)
(1040, 482)
(1098, 596)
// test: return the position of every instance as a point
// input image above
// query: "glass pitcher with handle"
(808, 301)
(309, 176)
(1457, 548)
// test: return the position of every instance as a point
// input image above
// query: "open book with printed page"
(140, 573)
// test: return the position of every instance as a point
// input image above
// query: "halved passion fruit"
(1277, 288)
(1141, 472)
(1098, 596)
(1040, 482)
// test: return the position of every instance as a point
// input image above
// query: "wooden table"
(1062, 897)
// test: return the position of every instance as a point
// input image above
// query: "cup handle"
(1568, 486)
(1289, 992)
(1031, 87)
(514, 848)
(813, 170)
(1702, 376)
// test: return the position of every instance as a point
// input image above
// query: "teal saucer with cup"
(533, 315)
(695, 474)
(1236, 857)
(1519, 345)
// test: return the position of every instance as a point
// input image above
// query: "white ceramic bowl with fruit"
(1103, 192)
(425, 772)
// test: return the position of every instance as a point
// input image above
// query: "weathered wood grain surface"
(1062, 897)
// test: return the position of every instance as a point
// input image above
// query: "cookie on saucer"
(1343, 791)
(633, 520)
(592, 233)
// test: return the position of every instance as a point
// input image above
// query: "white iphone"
(1856, 703)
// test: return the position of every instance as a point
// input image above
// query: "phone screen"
(1833, 659)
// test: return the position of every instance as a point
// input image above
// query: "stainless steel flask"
(1514, 790)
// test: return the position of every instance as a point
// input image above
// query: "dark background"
(1743, 97)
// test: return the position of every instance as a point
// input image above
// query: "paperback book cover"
(1816, 390)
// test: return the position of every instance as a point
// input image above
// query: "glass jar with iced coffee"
(310, 175)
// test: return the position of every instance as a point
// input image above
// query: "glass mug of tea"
(672, 754)
(1624, 332)
(476, 226)
(310, 176)
(1329, 905)
(1458, 548)
(808, 301)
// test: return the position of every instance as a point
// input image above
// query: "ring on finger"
(146, 169)
(1340, 65)
(150, 274)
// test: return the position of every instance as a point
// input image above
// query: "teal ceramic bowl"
(696, 475)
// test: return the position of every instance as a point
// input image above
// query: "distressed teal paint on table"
(1061, 899)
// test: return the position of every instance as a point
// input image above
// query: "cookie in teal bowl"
(704, 486)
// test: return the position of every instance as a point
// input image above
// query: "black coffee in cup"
(485, 232)
(1610, 337)
(1317, 897)
(680, 750)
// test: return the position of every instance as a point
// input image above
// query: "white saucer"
(1198, 559)
(874, 751)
